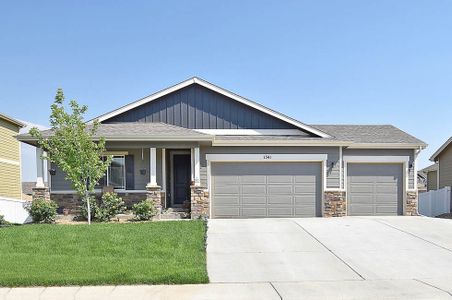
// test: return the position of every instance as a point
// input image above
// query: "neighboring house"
(421, 182)
(231, 157)
(431, 175)
(440, 173)
(10, 172)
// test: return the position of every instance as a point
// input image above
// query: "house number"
(267, 156)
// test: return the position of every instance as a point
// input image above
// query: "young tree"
(74, 148)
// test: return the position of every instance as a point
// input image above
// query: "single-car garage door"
(374, 189)
(271, 189)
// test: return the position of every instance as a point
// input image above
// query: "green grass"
(171, 252)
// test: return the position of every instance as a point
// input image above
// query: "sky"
(321, 62)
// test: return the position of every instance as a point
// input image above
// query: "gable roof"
(371, 134)
(441, 149)
(210, 86)
(12, 120)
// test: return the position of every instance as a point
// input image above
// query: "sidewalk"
(355, 289)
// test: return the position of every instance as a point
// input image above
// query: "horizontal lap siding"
(445, 167)
(432, 180)
(9, 145)
(10, 183)
(332, 163)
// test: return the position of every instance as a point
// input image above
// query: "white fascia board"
(376, 159)
(308, 143)
(251, 132)
(270, 157)
(386, 146)
(217, 89)
(443, 146)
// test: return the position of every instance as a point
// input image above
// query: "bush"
(84, 208)
(144, 210)
(3, 221)
(111, 206)
(43, 211)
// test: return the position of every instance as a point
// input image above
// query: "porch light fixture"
(143, 171)
(52, 172)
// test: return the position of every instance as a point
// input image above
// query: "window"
(116, 172)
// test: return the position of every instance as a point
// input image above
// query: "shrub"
(144, 210)
(84, 209)
(111, 205)
(3, 221)
(43, 211)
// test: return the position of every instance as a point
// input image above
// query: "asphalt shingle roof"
(369, 134)
(138, 131)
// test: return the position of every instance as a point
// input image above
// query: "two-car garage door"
(271, 189)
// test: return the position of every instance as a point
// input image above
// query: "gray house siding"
(332, 152)
(432, 180)
(445, 167)
(196, 107)
(59, 183)
(385, 152)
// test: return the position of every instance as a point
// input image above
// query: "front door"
(182, 177)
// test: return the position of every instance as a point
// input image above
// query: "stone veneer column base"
(334, 204)
(40, 193)
(411, 204)
(200, 204)
(154, 194)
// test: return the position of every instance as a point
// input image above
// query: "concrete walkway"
(337, 258)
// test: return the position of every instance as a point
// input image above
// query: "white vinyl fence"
(436, 202)
(14, 210)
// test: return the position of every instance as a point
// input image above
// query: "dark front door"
(181, 171)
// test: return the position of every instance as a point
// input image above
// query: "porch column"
(39, 168)
(152, 167)
(40, 191)
(197, 166)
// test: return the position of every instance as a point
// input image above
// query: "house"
(431, 175)
(198, 144)
(10, 161)
(439, 174)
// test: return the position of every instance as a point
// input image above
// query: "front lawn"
(170, 252)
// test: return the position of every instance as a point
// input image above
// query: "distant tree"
(73, 149)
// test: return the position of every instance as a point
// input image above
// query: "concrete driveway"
(350, 258)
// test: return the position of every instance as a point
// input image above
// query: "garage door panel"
(305, 199)
(227, 200)
(361, 188)
(279, 190)
(269, 189)
(226, 180)
(254, 190)
(249, 211)
(374, 189)
(225, 211)
(253, 179)
(280, 211)
(305, 188)
(280, 199)
(254, 200)
(227, 190)
(284, 179)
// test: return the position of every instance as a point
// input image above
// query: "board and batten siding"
(445, 167)
(382, 153)
(332, 163)
(197, 107)
(10, 181)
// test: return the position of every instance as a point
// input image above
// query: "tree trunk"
(88, 206)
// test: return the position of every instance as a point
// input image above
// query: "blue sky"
(322, 62)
